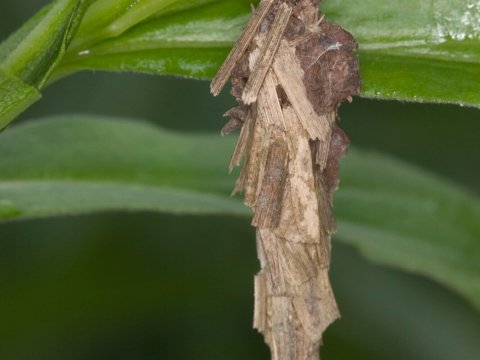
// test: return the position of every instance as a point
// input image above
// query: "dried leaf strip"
(240, 47)
(267, 51)
(290, 75)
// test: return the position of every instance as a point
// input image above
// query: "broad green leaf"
(415, 50)
(395, 213)
(190, 43)
(429, 54)
(410, 50)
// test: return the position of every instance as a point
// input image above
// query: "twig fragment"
(266, 53)
(240, 47)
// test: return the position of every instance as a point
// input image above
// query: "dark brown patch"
(338, 148)
(331, 75)
(295, 28)
(240, 75)
(231, 126)
(282, 97)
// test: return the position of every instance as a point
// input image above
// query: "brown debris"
(290, 70)
(240, 46)
(261, 61)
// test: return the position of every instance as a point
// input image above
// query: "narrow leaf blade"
(15, 97)
(28, 57)
(396, 214)
(43, 41)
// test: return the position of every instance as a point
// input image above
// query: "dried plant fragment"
(240, 46)
(290, 70)
(263, 59)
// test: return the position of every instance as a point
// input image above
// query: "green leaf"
(106, 165)
(30, 55)
(415, 50)
(402, 216)
(191, 43)
(109, 18)
(396, 214)
(33, 52)
(15, 97)
(15, 39)
(431, 54)
(410, 50)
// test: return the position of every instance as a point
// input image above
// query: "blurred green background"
(150, 286)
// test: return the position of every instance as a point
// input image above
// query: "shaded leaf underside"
(394, 213)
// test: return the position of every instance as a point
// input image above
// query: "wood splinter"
(290, 70)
